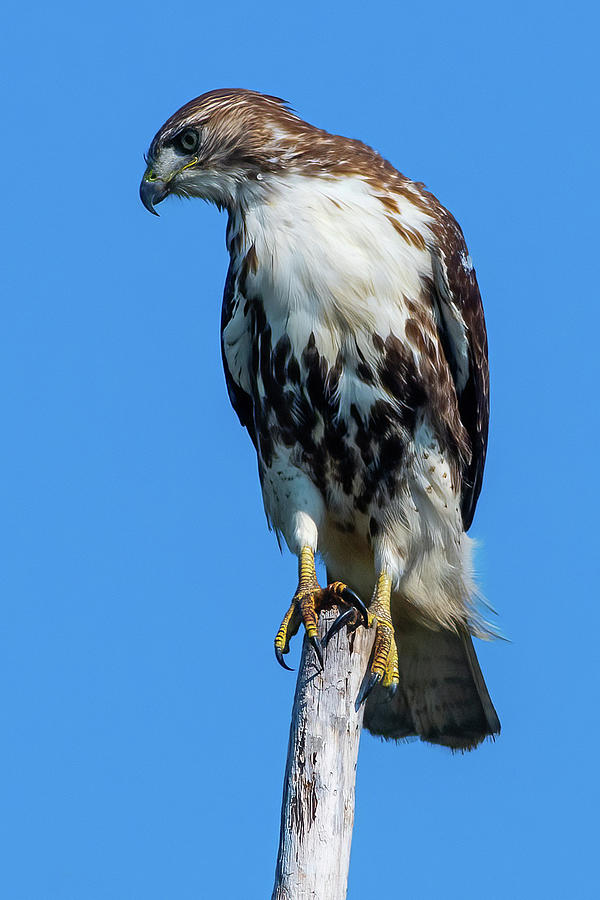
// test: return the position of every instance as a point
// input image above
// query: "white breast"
(331, 263)
(329, 256)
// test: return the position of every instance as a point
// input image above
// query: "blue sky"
(140, 758)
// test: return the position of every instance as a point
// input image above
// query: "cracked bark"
(317, 813)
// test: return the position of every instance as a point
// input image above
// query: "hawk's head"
(218, 144)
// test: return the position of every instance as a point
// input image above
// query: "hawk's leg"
(384, 659)
(310, 598)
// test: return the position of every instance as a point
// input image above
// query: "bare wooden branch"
(317, 815)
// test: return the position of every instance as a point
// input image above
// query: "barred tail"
(442, 696)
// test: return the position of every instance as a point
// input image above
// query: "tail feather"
(442, 696)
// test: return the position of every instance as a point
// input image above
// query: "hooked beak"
(152, 192)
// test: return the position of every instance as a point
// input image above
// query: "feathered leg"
(310, 598)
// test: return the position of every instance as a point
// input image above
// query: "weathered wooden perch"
(317, 814)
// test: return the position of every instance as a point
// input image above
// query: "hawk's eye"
(188, 140)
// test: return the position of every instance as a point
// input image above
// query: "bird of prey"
(355, 354)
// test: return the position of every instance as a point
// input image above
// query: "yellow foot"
(308, 601)
(384, 659)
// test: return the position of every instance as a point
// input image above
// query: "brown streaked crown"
(238, 128)
(246, 130)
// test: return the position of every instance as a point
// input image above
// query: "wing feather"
(463, 335)
(240, 399)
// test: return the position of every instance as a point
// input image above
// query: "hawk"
(355, 354)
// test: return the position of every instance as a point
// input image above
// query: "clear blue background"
(143, 739)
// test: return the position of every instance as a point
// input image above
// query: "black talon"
(281, 660)
(348, 596)
(318, 650)
(366, 688)
(344, 618)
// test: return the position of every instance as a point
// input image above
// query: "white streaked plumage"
(355, 354)
(330, 264)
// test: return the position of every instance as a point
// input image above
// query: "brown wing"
(461, 326)
(240, 399)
